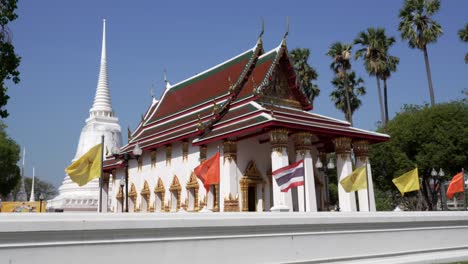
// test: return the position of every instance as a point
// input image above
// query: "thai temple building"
(101, 121)
(250, 109)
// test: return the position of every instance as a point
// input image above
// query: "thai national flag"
(290, 176)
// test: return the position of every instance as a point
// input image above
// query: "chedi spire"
(102, 101)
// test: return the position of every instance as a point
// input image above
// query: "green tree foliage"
(341, 54)
(463, 34)
(374, 52)
(355, 88)
(9, 60)
(305, 73)
(422, 136)
(9, 156)
(419, 28)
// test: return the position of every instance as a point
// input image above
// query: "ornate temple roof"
(240, 97)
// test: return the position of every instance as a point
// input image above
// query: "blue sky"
(60, 42)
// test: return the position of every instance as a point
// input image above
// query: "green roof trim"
(213, 71)
(267, 57)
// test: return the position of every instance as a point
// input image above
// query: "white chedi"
(101, 121)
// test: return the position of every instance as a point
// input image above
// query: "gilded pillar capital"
(342, 146)
(303, 142)
(361, 149)
(230, 150)
(279, 139)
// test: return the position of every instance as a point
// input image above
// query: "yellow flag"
(357, 180)
(407, 182)
(87, 167)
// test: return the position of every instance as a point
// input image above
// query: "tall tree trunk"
(382, 111)
(385, 100)
(348, 104)
(429, 77)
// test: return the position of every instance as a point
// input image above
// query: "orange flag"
(456, 185)
(208, 171)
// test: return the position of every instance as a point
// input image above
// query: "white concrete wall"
(392, 237)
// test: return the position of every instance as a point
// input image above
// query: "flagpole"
(367, 183)
(464, 191)
(100, 177)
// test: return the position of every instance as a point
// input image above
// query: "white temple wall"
(385, 237)
(250, 149)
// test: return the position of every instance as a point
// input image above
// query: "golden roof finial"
(129, 133)
(261, 32)
(287, 30)
(152, 90)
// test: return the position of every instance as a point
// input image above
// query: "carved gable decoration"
(120, 194)
(193, 182)
(145, 190)
(133, 192)
(160, 186)
(251, 172)
(175, 186)
(278, 91)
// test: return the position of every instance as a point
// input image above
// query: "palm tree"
(463, 34)
(354, 87)
(418, 27)
(341, 53)
(390, 66)
(305, 73)
(374, 44)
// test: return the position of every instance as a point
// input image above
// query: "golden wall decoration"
(216, 198)
(342, 146)
(279, 139)
(140, 163)
(193, 184)
(203, 152)
(202, 202)
(119, 194)
(133, 196)
(278, 91)
(251, 178)
(153, 158)
(231, 204)
(361, 149)
(185, 150)
(176, 188)
(168, 155)
(146, 194)
(230, 150)
(161, 191)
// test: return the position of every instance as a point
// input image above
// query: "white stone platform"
(391, 237)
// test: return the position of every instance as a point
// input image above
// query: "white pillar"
(279, 159)
(347, 201)
(310, 194)
(105, 194)
(300, 189)
(306, 194)
(366, 197)
(229, 183)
